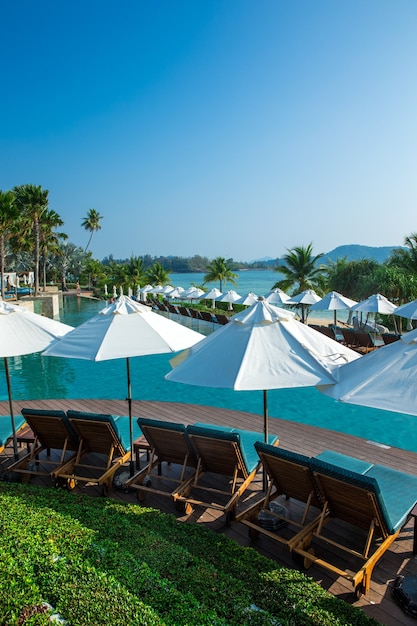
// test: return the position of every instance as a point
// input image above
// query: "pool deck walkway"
(305, 439)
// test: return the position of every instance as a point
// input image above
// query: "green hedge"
(97, 561)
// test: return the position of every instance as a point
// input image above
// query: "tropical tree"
(91, 223)
(300, 269)
(157, 275)
(96, 271)
(69, 260)
(8, 218)
(49, 239)
(32, 202)
(406, 258)
(220, 270)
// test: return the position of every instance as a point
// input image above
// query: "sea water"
(35, 377)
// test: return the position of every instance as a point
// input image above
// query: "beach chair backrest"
(52, 428)
(290, 473)
(169, 440)
(351, 497)
(98, 432)
(218, 450)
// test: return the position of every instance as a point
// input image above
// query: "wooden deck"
(301, 438)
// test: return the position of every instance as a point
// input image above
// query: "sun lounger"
(378, 502)
(206, 316)
(104, 446)
(169, 443)
(292, 505)
(228, 452)
(6, 429)
(221, 319)
(54, 441)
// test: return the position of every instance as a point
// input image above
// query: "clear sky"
(234, 128)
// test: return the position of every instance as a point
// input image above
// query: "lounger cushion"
(245, 438)
(155, 423)
(6, 430)
(281, 453)
(398, 492)
(345, 461)
(51, 413)
(120, 425)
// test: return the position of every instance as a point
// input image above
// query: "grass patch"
(97, 561)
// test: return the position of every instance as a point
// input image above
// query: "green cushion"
(6, 430)
(52, 413)
(398, 494)
(245, 438)
(120, 425)
(154, 423)
(281, 453)
(345, 461)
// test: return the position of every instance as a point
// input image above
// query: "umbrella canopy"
(194, 293)
(124, 329)
(333, 301)
(408, 310)
(212, 295)
(277, 296)
(383, 379)
(23, 332)
(377, 303)
(249, 299)
(261, 348)
(230, 297)
(176, 293)
(304, 299)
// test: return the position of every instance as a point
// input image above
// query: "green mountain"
(355, 252)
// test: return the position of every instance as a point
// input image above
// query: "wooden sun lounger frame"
(289, 476)
(357, 506)
(51, 432)
(95, 437)
(219, 456)
(168, 443)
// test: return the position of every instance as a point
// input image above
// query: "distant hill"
(353, 252)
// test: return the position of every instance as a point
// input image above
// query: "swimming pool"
(35, 377)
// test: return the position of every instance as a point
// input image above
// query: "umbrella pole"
(9, 392)
(129, 404)
(266, 436)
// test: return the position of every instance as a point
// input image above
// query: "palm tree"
(32, 201)
(222, 270)
(406, 259)
(8, 218)
(299, 268)
(49, 239)
(69, 260)
(91, 223)
(157, 275)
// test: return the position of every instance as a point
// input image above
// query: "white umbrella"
(377, 303)
(383, 379)
(304, 299)
(167, 290)
(277, 296)
(212, 295)
(24, 332)
(261, 348)
(114, 291)
(408, 311)
(176, 293)
(156, 290)
(249, 299)
(194, 293)
(147, 289)
(124, 329)
(105, 290)
(333, 301)
(230, 297)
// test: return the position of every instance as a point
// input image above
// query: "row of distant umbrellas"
(307, 299)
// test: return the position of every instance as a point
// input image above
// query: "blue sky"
(234, 128)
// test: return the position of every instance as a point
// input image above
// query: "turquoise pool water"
(35, 377)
